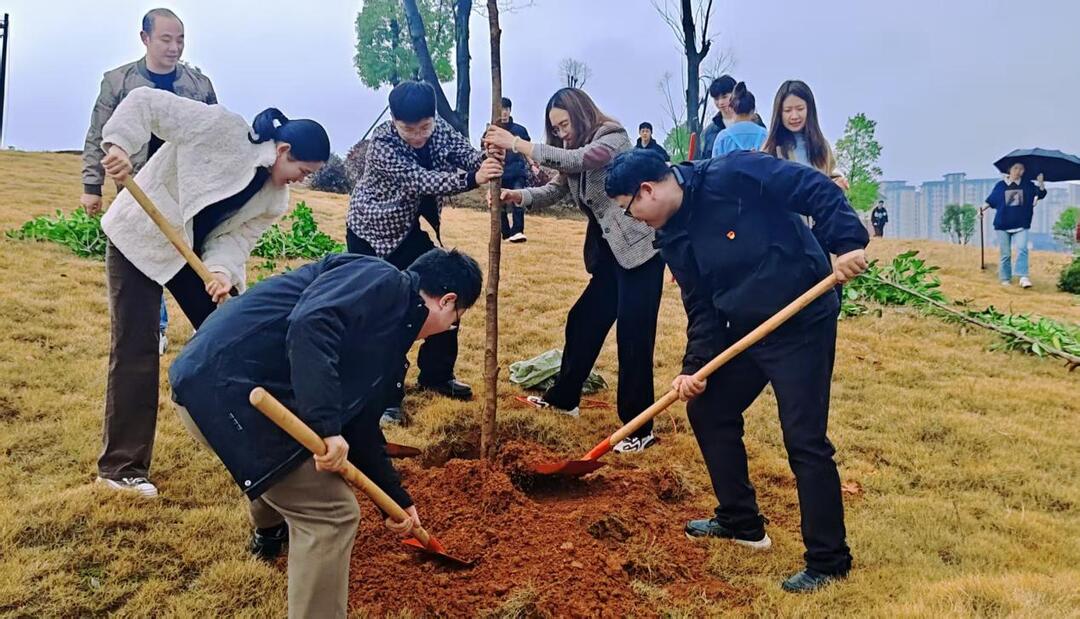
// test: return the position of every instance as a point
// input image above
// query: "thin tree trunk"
(491, 346)
(418, 36)
(461, 49)
(694, 57)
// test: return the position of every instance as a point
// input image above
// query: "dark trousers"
(798, 360)
(438, 353)
(512, 210)
(131, 392)
(630, 297)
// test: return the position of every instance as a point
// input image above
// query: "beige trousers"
(322, 514)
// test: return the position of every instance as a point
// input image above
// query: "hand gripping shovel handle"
(745, 342)
(286, 420)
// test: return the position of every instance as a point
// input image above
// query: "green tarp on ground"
(540, 372)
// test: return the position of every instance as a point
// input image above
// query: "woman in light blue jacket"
(744, 133)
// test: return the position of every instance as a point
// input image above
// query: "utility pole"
(5, 32)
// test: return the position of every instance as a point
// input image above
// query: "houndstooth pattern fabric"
(385, 202)
(582, 173)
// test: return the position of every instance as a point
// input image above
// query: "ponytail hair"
(742, 100)
(307, 139)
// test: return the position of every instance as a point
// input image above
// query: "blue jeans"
(1006, 240)
(163, 323)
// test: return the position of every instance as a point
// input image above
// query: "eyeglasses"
(422, 131)
(626, 211)
(457, 318)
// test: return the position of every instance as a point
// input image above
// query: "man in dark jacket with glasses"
(730, 231)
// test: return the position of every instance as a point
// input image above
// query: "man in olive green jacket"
(163, 35)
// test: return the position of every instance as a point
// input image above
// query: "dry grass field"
(964, 463)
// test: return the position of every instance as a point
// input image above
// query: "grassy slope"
(967, 458)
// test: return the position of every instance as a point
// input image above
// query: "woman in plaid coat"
(627, 273)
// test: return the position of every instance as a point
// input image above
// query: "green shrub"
(1069, 281)
(303, 240)
(331, 177)
(905, 269)
(81, 233)
(908, 280)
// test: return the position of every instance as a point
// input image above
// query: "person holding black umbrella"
(1014, 199)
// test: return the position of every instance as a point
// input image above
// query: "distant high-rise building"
(1074, 194)
(933, 196)
(916, 212)
(902, 203)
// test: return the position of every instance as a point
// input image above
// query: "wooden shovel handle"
(286, 420)
(745, 342)
(170, 233)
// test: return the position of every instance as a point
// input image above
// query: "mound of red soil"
(575, 544)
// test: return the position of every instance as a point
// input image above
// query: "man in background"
(645, 140)
(515, 176)
(163, 36)
(878, 218)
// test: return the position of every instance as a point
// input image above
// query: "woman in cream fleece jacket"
(220, 183)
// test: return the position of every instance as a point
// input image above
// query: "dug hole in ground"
(553, 546)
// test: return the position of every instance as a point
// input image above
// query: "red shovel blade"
(569, 468)
(436, 548)
(393, 450)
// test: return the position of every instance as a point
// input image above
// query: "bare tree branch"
(574, 73)
(665, 13)
(706, 40)
(505, 6)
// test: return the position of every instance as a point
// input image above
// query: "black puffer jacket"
(323, 339)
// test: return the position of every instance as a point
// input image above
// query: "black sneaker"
(392, 416)
(808, 580)
(633, 444)
(704, 529)
(267, 544)
(452, 388)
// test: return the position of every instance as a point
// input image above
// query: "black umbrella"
(1053, 164)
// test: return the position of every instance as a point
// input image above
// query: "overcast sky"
(953, 84)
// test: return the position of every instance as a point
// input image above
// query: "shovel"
(590, 462)
(393, 450)
(170, 233)
(291, 424)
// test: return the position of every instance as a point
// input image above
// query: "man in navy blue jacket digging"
(326, 340)
(730, 230)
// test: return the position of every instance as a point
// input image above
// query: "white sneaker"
(1006, 283)
(141, 485)
(518, 238)
(635, 445)
(1025, 282)
(162, 345)
(540, 403)
(762, 544)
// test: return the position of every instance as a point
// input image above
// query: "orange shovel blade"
(436, 548)
(569, 468)
(394, 450)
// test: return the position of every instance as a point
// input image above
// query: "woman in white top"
(220, 183)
